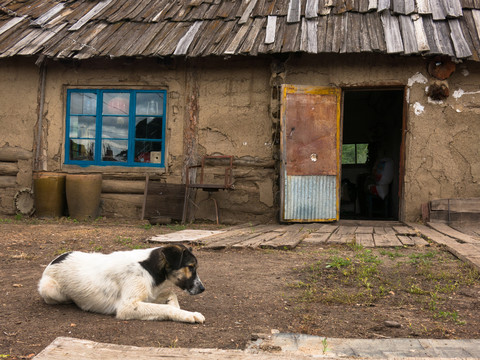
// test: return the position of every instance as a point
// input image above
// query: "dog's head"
(181, 268)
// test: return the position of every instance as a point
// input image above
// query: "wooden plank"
(386, 240)
(420, 35)
(246, 14)
(389, 230)
(317, 238)
(447, 230)
(343, 230)
(294, 11)
(462, 50)
(287, 241)
(164, 200)
(364, 230)
(423, 7)
(404, 230)
(239, 37)
(379, 230)
(186, 40)
(438, 12)
(408, 34)
(88, 16)
(443, 32)
(228, 238)
(406, 240)
(365, 45)
(312, 33)
(321, 33)
(63, 348)
(250, 40)
(365, 240)
(341, 238)
(456, 205)
(453, 8)
(256, 240)
(432, 36)
(326, 228)
(271, 29)
(311, 9)
(469, 27)
(393, 37)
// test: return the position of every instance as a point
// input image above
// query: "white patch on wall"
(244, 143)
(417, 78)
(465, 72)
(418, 108)
(457, 94)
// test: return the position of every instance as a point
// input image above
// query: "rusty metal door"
(310, 147)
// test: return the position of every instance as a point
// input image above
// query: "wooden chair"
(226, 184)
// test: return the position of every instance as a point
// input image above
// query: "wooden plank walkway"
(369, 234)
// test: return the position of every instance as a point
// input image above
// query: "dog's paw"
(197, 318)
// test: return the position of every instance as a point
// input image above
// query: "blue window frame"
(115, 127)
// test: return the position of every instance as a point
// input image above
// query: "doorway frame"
(402, 151)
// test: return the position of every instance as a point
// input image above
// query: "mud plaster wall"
(442, 140)
(230, 99)
(234, 117)
(18, 104)
(234, 120)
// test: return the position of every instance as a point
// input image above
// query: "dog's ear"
(174, 255)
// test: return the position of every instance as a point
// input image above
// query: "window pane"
(348, 154)
(82, 149)
(148, 128)
(83, 103)
(115, 127)
(362, 153)
(114, 150)
(82, 127)
(149, 103)
(148, 152)
(116, 103)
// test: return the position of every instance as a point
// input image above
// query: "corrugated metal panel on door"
(310, 198)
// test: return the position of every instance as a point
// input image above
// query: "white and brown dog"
(135, 284)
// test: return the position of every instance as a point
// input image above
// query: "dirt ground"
(313, 289)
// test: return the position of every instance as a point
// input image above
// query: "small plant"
(176, 227)
(18, 217)
(98, 248)
(338, 262)
(324, 346)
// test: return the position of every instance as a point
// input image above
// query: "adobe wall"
(18, 104)
(228, 106)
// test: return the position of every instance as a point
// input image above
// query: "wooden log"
(9, 153)
(122, 186)
(8, 168)
(132, 199)
(8, 181)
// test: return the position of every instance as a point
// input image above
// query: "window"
(354, 154)
(115, 127)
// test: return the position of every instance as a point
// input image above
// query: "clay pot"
(83, 195)
(49, 194)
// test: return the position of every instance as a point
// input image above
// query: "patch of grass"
(338, 262)
(355, 276)
(391, 254)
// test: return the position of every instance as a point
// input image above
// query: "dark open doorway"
(371, 151)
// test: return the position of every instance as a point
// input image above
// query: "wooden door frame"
(402, 153)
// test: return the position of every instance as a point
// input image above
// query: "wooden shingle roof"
(83, 29)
